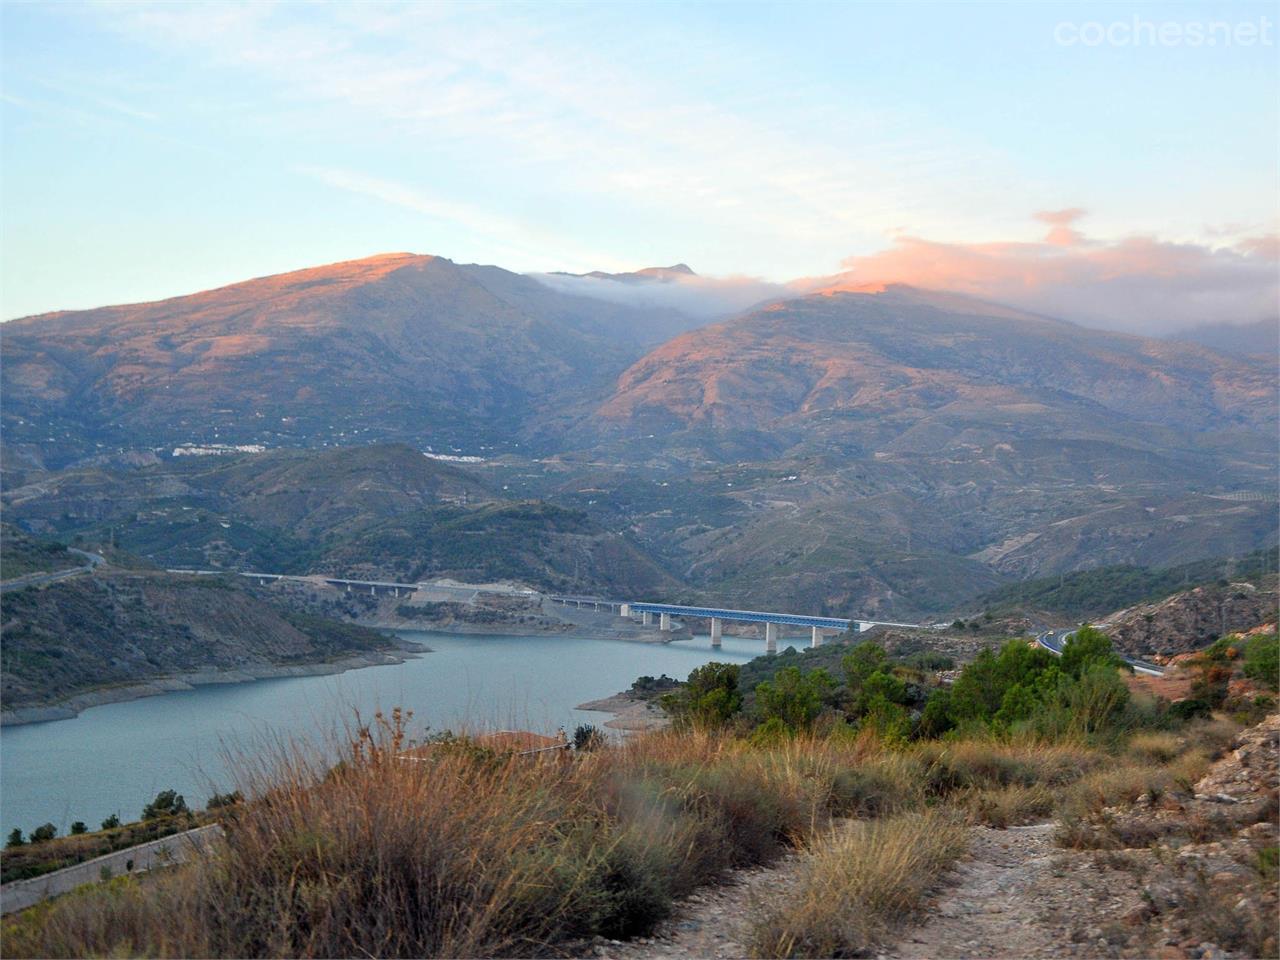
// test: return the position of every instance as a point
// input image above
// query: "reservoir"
(114, 758)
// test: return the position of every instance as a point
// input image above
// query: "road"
(20, 894)
(43, 579)
(1053, 641)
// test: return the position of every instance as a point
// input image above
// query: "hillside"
(383, 511)
(22, 554)
(1193, 619)
(120, 630)
(1088, 594)
(890, 452)
(397, 346)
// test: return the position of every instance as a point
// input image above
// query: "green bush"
(709, 699)
(167, 803)
(1262, 659)
(793, 698)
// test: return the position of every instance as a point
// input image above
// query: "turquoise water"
(114, 758)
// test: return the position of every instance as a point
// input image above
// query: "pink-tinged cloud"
(1139, 284)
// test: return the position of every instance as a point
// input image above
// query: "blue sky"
(151, 150)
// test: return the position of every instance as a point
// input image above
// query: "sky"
(151, 150)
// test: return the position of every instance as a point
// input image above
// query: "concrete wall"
(20, 894)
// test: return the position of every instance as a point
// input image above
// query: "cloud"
(504, 235)
(1138, 284)
(705, 298)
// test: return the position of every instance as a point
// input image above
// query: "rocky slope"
(1192, 619)
(119, 633)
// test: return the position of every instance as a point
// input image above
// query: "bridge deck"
(750, 616)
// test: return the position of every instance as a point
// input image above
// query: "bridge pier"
(664, 621)
(816, 640)
(373, 591)
(770, 638)
(646, 618)
(624, 611)
(715, 632)
(348, 588)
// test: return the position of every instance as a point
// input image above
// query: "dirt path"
(1015, 896)
(712, 923)
(1020, 896)
(988, 906)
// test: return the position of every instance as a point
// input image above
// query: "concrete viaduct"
(630, 610)
(818, 626)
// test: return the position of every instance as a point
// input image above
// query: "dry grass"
(478, 853)
(978, 764)
(1156, 747)
(1002, 807)
(470, 854)
(856, 883)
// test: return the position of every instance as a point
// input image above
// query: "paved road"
(1053, 641)
(44, 579)
(20, 894)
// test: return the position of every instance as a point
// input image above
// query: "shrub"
(709, 699)
(46, 831)
(1154, 747)
(587, 736)
(794, 698)
(167, 803)
(855, 883)
(111, 822)
(1262, 659)
(1008, 806)
(78, 828)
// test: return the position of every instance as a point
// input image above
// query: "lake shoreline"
(629, 713)
(72, 706)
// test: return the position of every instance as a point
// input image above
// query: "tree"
(862, 661)
(167, 803)
(936, 720)
(15, 838)
(794, 698)
(46, 831)
(111, 822)
(1087, 648)
(882, 687)
(710, 697)
(78, 828)
(221, 800)
(587, 737)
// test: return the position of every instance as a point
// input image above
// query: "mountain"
(382, 511)
(1258, 339)
(907, 371)
(396, 346)
(674, 272)
(886, 450)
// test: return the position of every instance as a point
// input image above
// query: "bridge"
(818, 626)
